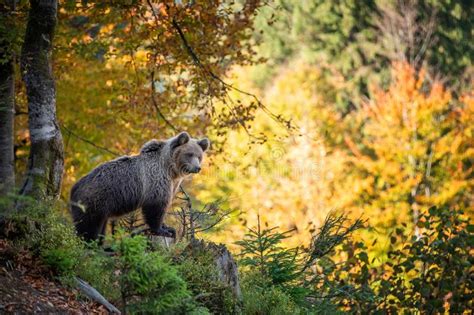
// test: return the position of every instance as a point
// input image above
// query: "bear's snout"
(193, 169)
(193, 165)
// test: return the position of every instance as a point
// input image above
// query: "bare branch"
(153, 100)
(70, 132)
(196, 221)
(198, 62)
(405, 39)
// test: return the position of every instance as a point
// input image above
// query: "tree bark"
(7, 112)
(46, 159)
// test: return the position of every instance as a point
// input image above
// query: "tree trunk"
(46, 159)
(7, 112)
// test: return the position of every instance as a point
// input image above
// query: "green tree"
(452, 51)
(358, 39)
(339, 35)
(262, 251)
(296, 271)
(413, 152)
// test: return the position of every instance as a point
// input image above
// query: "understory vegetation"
(429, 271)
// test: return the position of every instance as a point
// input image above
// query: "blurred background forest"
(378, 97)
(363, 108)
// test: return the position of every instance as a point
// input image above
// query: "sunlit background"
(366, 109)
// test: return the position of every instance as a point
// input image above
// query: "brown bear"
(148, 181)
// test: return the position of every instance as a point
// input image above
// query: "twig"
(332, 233)
(152, 77)
(153, 100)
(207, 73)
(218, 220)
(190, 217)
(89, 141)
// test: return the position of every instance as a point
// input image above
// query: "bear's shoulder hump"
(152, 146)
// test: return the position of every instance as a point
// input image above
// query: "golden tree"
(416, 150)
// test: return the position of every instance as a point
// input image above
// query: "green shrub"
(149, 283)
(98, 269)
(260, 297)
(432, 271)
(427, 271)
(44, 231)
(58, 245)
(60, 260)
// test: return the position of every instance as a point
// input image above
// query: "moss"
(41, 229)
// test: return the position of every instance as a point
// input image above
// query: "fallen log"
(92, 293)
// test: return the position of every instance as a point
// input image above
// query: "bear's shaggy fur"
(148, 181)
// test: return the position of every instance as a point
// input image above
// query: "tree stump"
(225, 263)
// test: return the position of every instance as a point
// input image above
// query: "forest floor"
(28, 287)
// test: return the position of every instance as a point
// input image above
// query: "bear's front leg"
(164, 232)
(154, 214)
(171, 230)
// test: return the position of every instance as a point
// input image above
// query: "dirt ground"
(26, 287)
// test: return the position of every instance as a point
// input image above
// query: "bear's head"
(187, 153)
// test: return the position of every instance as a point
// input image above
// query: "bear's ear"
(204, 144)
(152, 146)
(180, 139)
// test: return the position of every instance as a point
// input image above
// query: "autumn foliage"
(415, 149)
(341, 170)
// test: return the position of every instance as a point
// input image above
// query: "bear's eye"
(189, 155)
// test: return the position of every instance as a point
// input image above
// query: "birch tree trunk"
(46, 159)
(7, 112)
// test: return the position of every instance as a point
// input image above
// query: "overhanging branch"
(226, 85)
(70, 132)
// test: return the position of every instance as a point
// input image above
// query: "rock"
(155, 239)
(161, 240)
